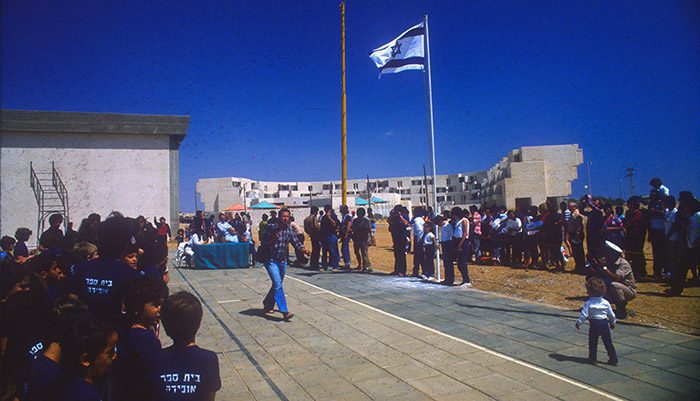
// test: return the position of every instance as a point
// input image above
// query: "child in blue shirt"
(43, 377)
(184, 371)
(140, 344)
(87, 356)
(601, 318)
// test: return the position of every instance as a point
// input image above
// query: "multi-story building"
(527, 176)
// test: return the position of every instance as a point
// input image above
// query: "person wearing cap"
(617, 274)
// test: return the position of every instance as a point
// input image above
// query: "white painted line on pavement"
(471, 344)
(228, 301)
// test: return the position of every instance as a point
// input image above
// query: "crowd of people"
(81, 316)
(545, 236)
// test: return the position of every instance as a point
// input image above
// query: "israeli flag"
(403, 53)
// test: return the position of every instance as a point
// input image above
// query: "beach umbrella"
(360, 202)
(263, 205)
(236, 207)
(378, 200)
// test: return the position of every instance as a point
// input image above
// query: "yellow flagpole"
(343, 124)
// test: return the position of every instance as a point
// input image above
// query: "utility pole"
(630, 174)
(369, 194)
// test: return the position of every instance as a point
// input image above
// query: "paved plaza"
(360, 337)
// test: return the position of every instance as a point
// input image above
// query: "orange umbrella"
(236, 207)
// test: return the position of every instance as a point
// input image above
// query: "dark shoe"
(267, 311)
(288, 316)
(612, 362)
(621, 313)
(592, 361)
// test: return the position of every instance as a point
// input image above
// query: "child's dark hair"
(131, 248)
(140, 292)
(23, 234)
(88, 336)
(595, 287)
(67, 313)
(181, 315)
(115, 234)
(6, 242)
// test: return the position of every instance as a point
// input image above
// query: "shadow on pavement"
(566, 358)
(260, 313)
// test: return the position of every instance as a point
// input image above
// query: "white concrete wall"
(102, 172)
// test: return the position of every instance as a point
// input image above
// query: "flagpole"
(429, 95)
(343, 111)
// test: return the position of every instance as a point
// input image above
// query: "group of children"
(87, 327)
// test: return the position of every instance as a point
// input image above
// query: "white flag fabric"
(403, 53)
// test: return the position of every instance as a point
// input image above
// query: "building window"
(311, 188)
(447, 181)
(337, 186)
(399, 184)
(355, 186)
(294, 188)
(327, 187)
(449, 198)
(415, 182)
(440, 198)
(236, 184)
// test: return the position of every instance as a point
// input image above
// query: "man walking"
(278, 236)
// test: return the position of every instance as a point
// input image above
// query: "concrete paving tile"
(665, 336)
(692, 343)
(437, 358)
(412, 371)
(360, 372)
(550, 385)
(639, 391)
(328, 388)
(682, 353)
(527, 395)
(385, 387)
(654, 359)
(339, 362)
(583, 395)
(465, 371)
(439, 385)
(670, 381)
(687, 369)
(496, 385)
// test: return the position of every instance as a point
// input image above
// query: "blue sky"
(261, 82)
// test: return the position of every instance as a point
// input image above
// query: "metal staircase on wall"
(51, 196)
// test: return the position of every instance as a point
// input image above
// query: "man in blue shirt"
(225, 231)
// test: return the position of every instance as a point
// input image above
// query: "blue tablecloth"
(230, 255)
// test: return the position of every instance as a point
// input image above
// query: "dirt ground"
(651, 307)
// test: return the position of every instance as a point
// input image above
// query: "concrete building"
(80, 163)
(526, 176)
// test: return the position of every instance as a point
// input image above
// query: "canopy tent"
(236, 207)
(263, 205)
(363, 202)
